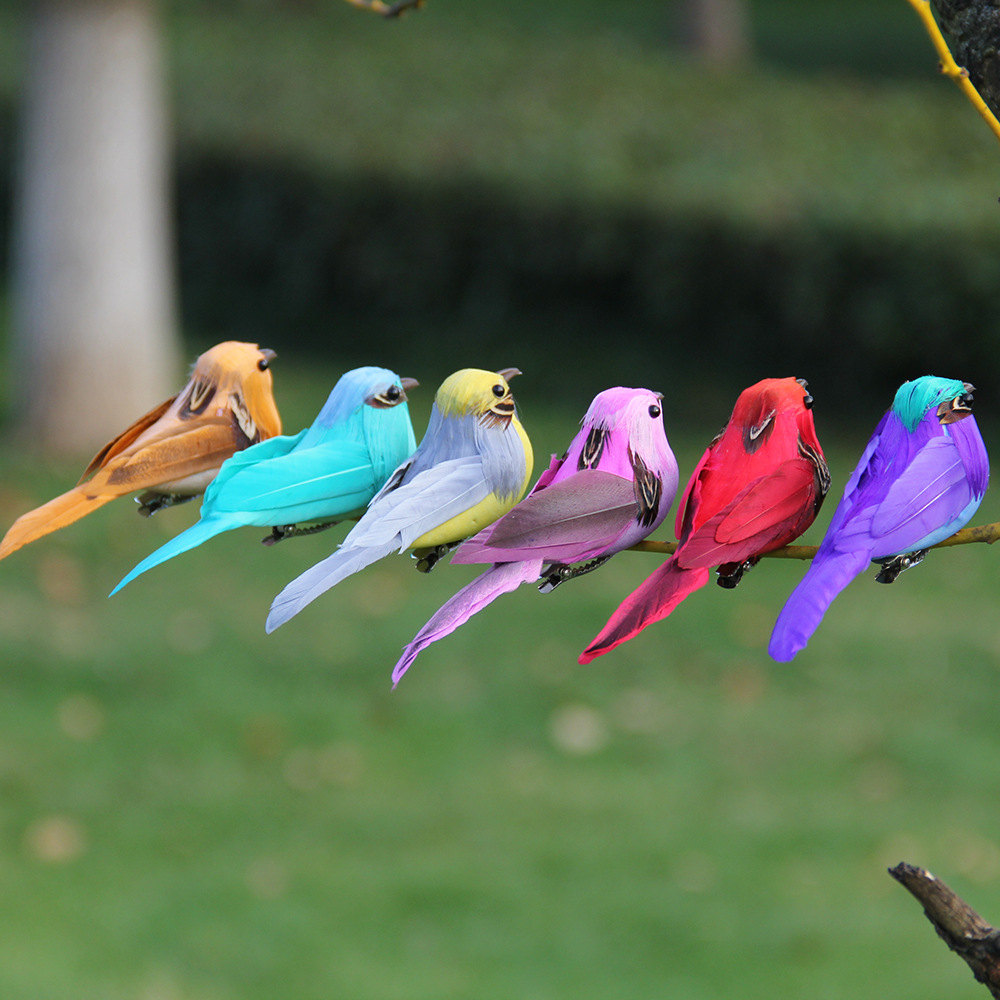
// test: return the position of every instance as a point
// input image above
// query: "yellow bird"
(472, 466)
(175, 450)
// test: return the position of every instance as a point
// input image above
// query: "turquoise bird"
(326, 473)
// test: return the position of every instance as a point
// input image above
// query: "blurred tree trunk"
(973, 30)
(717, 30)
(94, 343)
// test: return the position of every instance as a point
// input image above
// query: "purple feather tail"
(805, 607)
(501, 578)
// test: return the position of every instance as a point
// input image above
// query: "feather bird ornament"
(921, 479)
(173, 452)
(472, 466)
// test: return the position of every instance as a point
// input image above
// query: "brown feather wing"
(126, 439)
(195, 447)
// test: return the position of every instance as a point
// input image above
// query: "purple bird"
(612, 488)
(921, 478)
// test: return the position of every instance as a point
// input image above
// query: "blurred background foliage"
(550, 184)
(190, 810)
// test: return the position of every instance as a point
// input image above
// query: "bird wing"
(691, 496)
(577, 518)
(928, 495)
(164, 460)
(193, 448)
(329, 480)
(762, 516)
(127, 438)
(237, 463)
(402, 513)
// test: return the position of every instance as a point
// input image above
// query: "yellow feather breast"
(485, 512)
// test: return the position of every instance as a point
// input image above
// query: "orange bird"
(174, 451)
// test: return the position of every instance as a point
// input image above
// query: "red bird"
(759, 485)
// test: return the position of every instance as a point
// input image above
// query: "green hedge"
(445, 273)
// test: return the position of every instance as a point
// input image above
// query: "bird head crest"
(951, 397)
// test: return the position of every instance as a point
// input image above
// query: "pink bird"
(757, 487)
(612, 488)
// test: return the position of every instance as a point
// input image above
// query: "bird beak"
(268, 353)
(953, 410)
(408, 384)
(509, 373)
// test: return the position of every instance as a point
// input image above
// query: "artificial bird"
(173, 452)
(758, 486)
(327, 472)
(920, 479)
(612, 487)
(472, 466)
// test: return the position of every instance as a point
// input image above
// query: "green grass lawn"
(192, 809)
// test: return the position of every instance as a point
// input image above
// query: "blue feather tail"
(805, 607)
(501, 578)
(194, 536)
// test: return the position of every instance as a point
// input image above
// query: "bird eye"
(965, 400)
(392, 393)
(499, 390)
(807, 402)
(263, 364)
(654, 411)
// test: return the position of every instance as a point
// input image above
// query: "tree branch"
(396, 9)
(976, 41)
(962, 929)
(988, 533)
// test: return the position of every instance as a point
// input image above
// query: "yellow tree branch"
(988, 533)
(950, 68)
(396, 9)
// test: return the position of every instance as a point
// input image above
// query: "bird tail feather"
(318, 579)
(51, 516)
(655, 598)
(805, 607)
(199, 532)
(501, 578)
